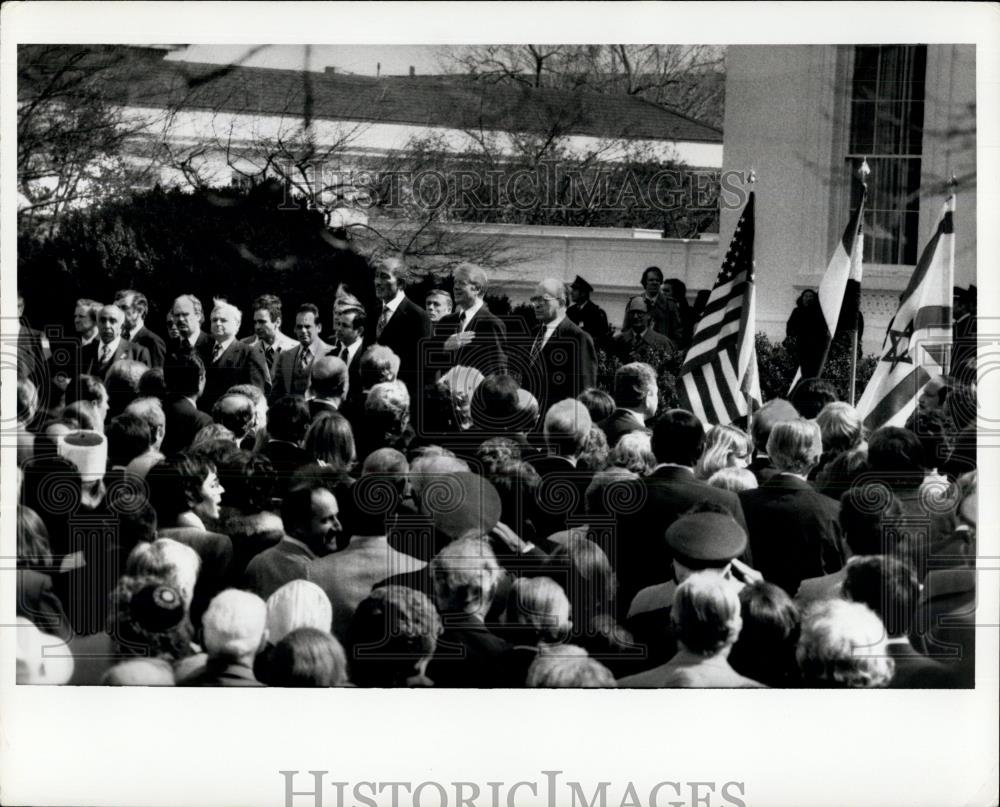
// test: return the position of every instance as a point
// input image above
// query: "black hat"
(582, 285)
(156, 608)
(706, 539)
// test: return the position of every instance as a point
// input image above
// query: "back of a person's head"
(297, 604)
(393, 629)
(634, 452)
(765, 649)
(182, 374)
(811, 395)
(841, 472)
(497, 451)
(678, 437)
(568, 667)
(633, 383)
(330, 439)
(599, 403)
(734, 479)
(866, 516)
(175, 563)
(932, 428)
(85, 388)
(842, 644)
(175, 485)
(122, 382)
(151, 411)
(307, 657)
(378, 364)
(541, 603)
(896, 456)
(567, 426)
(385, 461)
(128, 436)
(774, 411)
(723, 443)
(297, 503)
(27, 400)
(288, 419)
(585, 573)
(465, 574)
(795, 446)
(609, 489)
(886, 585)
(840, 426)
(234, 624)
(495, 402)
(236, 413)
(153, 384)
(706, 613)
(594, 453)
(329, 377)
(51, 478)
(248, 481)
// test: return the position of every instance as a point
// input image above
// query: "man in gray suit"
(292, 368)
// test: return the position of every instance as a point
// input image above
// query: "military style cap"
(706, 539)
(582, 285)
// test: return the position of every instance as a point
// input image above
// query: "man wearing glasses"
(563, 361)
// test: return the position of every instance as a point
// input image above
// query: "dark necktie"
(344, 354)
(461, 322)
(269, 355)
(216, 352)
(126, 334)
(382, 320)
(304, 358)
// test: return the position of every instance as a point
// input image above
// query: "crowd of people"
(409, 495)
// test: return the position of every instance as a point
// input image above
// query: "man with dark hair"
(891, 589)
(641, 556)
(351, 327)
(400, 324)
(287, 423)
(135, 306)
(128, 436)
(811, 395)
(291, 374)
(309, 512)
(588, 315)
(658, 302)
(267, 336)
(184, 377)
(637, 398)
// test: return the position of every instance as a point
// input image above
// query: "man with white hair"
(109, 347)
(473, 336)
(230, 361)
(563, 361)
(234, 629)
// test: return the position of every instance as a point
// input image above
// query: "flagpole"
(751, 179)
(863, 173)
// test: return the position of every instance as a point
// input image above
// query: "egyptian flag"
(840, 289)
(917, 345)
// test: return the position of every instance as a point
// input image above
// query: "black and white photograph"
(432, 370)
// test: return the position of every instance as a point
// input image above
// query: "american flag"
(718, 381)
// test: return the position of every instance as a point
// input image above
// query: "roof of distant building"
(454, 102)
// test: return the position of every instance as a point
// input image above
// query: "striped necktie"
(383, 320)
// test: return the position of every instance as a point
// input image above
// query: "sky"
(359, 59)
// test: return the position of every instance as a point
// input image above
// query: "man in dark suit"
(563, 361)
(184, 377)
(472, 335)
(637, 398)
(267, 336)
(351, 328)
(651, 504)
(109, 346)
(400, 324)
(188, 316)
(588, 315)
(291, 370)
(793, 528)
(135, 306)
(231, 362)
(288, 421)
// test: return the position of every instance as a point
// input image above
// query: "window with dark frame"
(887, 122)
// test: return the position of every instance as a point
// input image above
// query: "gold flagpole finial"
(864, 171)
(751, 176)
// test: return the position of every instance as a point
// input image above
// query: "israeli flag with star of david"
(917, 345)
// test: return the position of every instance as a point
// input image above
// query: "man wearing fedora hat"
(588, 315)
